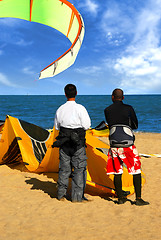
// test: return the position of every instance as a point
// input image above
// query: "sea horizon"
(40, 109)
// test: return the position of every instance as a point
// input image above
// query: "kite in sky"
(58, 14)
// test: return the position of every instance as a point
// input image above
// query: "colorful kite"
(58, 14)
(31, 146)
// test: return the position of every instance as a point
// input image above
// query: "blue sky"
(121, 48)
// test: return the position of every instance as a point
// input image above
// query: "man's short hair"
(118, 94)
(70, 91)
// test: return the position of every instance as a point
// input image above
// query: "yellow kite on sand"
(31, 145)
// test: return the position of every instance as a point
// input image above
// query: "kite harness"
(121, 136)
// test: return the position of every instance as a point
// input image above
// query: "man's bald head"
(117, 94)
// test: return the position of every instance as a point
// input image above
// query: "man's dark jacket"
(120, 113)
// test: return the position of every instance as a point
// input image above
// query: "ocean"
(40, 110)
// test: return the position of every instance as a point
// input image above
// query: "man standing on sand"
(72, 121)
(121, 119)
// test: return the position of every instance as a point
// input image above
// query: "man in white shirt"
(72, 121)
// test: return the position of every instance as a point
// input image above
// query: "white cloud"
(10, 22)
(136, 65)
(90, 70)
(23, 43)
(1, 49)
(89, 83)
(116, 23)
(4, 80)
(140, 70)
(90, 6)
(10, 33)
(139, 65)
(140, 85)
(28, 70)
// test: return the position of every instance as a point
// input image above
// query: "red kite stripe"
(31, 4)
(71, 22)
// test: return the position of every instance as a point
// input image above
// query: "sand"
(29, 208)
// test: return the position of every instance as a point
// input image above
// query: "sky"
(121, 49)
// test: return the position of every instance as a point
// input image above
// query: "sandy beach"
(29, 208)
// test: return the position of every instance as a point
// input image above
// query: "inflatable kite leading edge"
(58, 14)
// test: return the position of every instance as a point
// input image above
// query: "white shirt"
(72, 115)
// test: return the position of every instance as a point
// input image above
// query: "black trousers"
(136, 182)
